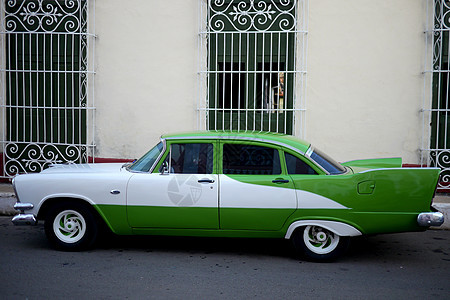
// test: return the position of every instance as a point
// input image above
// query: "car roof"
(288, 141)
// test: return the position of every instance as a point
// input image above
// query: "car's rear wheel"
(70, 226)
(319, 244)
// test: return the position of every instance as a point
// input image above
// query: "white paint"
(339, 228)
(93, 187)
(236, 194)
(172, 190)
(308, 200)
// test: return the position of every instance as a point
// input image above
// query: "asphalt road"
(395, 266)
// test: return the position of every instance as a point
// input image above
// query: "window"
(250, 159)
(144, 163)
(435, 151)
(297, 166)
(251, 73)
(47, 108)
(190, 159)
(326, 162)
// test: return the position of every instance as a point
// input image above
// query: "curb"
(7, 201)
(445, 209)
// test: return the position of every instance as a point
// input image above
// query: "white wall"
(365, 63)
(146, 80)
(364, 87)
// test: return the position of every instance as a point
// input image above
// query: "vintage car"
(228, 184)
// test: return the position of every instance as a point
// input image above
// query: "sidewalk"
(7, 200)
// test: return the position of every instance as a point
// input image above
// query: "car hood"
(84, 168)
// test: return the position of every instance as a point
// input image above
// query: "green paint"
(366, 222)
(378, 163)
(380, 201)
(396, 190)
(242, 136)
(174, 217)
(268, 223)
(115, 217)
(210, 233)
(253, 218)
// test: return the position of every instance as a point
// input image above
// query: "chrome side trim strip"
(159, 156)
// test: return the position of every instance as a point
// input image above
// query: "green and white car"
(228, 184)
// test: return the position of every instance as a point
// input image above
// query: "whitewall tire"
(70, 226)
(318, 243)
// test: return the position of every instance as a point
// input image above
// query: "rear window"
(329, 164)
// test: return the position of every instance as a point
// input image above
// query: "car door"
(255, 191)
(182, 192)
(310, 182)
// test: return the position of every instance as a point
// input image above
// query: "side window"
(297, 166)
(250, 159)
(190, 159)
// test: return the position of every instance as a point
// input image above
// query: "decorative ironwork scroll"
(253, 15)
(44, 16)
(46, 75)
(436, 117)
(253, 65)
(34, 157)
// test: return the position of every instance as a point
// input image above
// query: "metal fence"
(46, 98)
(435, 150)
(252, 65)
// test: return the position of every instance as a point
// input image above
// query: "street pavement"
(412, 265)
(441, 202)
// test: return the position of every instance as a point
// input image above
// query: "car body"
(229, 184)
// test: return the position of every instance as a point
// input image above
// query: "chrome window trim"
(236, 138)
(308, 154)
(159, 156)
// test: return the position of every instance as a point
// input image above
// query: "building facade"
(93, 80)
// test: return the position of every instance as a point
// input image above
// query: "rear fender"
(376, 163)
(399, 189)
(338, 228)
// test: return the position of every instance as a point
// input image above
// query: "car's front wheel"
(319, 244)
(70, 226)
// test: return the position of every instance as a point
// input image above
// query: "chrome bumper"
(24, 219)
(430, 219)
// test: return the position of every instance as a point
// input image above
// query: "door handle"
(205, 180)
(280, 181)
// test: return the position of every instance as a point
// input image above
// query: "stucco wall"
(364, 88)
(146, 80)
(365, 82)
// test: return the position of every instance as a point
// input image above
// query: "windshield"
(144, 163)
(329, 164)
